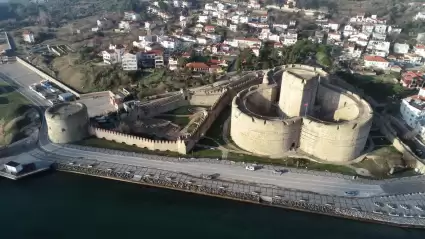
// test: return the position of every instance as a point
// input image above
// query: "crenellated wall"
(161, 145)
(159, 106)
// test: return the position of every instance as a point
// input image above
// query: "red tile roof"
(375, 58)
(197, 65)
(156, 52)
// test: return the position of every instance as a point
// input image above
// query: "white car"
(408, 215)
(377, 212)
(251, 167)
(378, 204)
(404, 206)
(394, 214)
(422, 216)
(420, 208)
(392, 206)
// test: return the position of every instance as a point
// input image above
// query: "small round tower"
(67, 122)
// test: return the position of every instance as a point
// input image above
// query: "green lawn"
(379, 87)
(181, 121)
(12, 103)
(216, 129)
(184, 110)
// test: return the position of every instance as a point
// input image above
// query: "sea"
(58, 205)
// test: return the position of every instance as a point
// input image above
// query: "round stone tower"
(67, 122)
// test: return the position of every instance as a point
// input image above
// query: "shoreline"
(247, 198)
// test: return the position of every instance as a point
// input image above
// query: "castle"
(298, 108)
(292, 107)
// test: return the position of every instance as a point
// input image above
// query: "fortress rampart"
(316, 117)
(159, 106)
(67, 122)
(262, 135)
(160, 145)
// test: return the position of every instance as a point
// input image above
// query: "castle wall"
(161, 145)
(46, 76)
(335, 105)
(261, 100)
(156, 107)
(63, 129)
(334, 142)
(204, 99)
(271, 137)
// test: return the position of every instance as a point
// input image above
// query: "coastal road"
(306, 182)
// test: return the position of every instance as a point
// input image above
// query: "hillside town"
(192, 39)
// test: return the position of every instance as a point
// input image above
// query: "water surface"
(64, 205)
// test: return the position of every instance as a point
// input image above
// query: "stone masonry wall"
(46, 76)
(161, 145)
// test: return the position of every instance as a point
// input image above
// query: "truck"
(67, 96)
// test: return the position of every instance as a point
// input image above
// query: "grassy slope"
(12, 106)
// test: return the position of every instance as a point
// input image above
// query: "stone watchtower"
(298, 92)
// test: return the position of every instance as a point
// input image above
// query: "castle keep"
(298, 108)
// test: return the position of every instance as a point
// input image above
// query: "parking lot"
(19, 73)
(97, 103)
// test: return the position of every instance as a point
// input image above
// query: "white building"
(201, 40)
(367, 28)
(124, 25)
(401, 48)
(333, 26)
(419, 50)
(375, 62)
(289, 40)
(247, 42)
(380, 28)
(172, 63)
(419, 16)
(28, 37)
(110, 57)
(233, 27)
(203, 18)
(334, 36)
(412, 109)
(379, 36)
(377, 47)
(113, 55)
(169, 43)
(129, 62)
(13, 167)
(130, 16)
(349, 30)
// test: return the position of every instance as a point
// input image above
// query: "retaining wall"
(391, 134)
(46, 76)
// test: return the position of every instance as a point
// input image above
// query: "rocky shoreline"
(246, 197)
